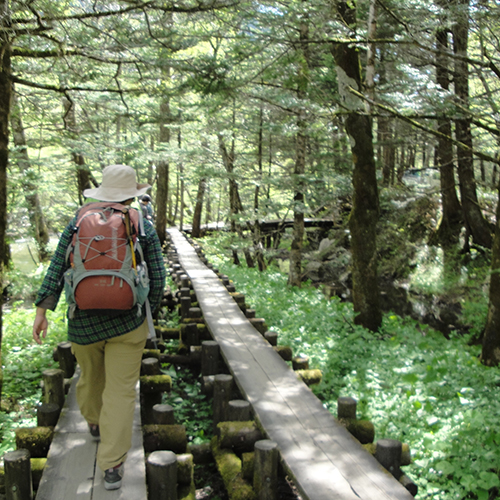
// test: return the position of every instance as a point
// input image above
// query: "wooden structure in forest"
(324, 460)
(71, 472)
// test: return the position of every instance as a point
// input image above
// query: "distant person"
(108, 345)
(146, 207)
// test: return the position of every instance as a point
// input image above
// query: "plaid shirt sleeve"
(156, 266)
(53, 283)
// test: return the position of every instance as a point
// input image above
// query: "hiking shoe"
(113, 478)
(94, 432)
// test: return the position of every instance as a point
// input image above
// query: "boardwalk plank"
(325, 460)
(71, 472)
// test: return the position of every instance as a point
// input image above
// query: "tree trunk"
(196, 230)
(451, 222)
(163, 169)
(83, 175)
(5, 99)
(490, 354)
(364, 214)
(257, 237)
(474, 220)
(37, 220)
(295, 273)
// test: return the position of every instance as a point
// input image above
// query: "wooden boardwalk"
(326, 462)
(71, 472)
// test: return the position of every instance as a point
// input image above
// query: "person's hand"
(40, 325)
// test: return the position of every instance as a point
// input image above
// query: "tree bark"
(37, 220)
(295, 273)
(163, 168)
(474, 220)
(490, 354)
(196, 230)
(451, 222)
(83, 175)
(365, 209)
(5, 100)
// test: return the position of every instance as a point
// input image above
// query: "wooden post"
(271, 337)
(18, 483)
(163, 414)
(209, 357)
(184, 281)
(161, 469)
(259, 324)
(300, 362)
(66, 359)
(185, 292)
(388, 453)
(185, 468)
(53, 387)
(150, 366)
(192, 334)
(238, 410)
(346, 407)
(223, 385)
(47, 415)
(265, 476)
(185, 305)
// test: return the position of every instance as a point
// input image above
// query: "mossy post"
(210, 353)
(265, 475)
(53, 387)
(271, 337)
(18, 483)
(66, 359)
(223, 386)
(161, 468)
(36, 440)
(150, 366)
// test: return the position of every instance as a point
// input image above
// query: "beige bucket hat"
(119, 183)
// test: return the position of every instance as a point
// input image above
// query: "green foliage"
(192, 408)
(24, 361)
(410, 381)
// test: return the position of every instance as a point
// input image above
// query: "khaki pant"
(106, 390)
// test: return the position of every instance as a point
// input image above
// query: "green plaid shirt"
(85, 328)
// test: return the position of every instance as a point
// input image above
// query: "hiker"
(108, 345)
(146, 207)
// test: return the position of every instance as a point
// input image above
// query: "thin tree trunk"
(295, 273)
(196, 230)
(365, 209)
(35, 213)
(257, 238)
(448, 230)
(83, 175)
(163, 167)
(5, 99)
(476, 223)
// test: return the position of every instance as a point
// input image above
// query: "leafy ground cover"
(410, 381)
(23, 364)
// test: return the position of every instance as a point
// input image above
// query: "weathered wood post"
(152, 388)
(18, 483)
(388, 453)
(238, 410)
(47, 415)
(163, 414)
(271, 337)
(66, 359)
(346, 407)
(150, 366)
(265, 476)
(162, 475)
(223, 385)
(300, 362)
(53, 387)
(185, 306)
(209, 357)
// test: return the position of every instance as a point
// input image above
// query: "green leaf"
(445, 467)
(488, 480)
(410, 378)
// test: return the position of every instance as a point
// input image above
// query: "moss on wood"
(155, 383)
(164, 437)
(230, 469)
(34, 439)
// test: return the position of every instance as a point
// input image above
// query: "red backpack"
(107, 271)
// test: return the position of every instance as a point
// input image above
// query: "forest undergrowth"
(414, 383)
